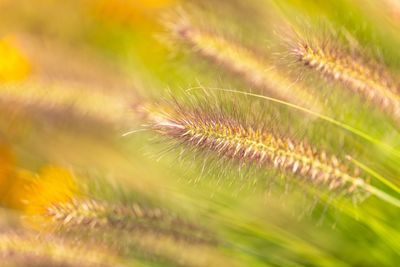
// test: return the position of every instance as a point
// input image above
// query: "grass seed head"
(24, 248)
(363, 76)
(256, 69)
(205, 130)
(89, 214)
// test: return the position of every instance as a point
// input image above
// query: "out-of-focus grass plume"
(199, 133)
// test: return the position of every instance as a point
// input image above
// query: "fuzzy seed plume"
(91, 214)
(52, 200)
(258, 71)
(228, 138)
(370, 80)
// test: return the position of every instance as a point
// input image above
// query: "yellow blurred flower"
(14, 65)
(34, 193)
(54, 185)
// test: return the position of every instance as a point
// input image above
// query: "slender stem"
(321, 116)
(376, 175)
(382, 195)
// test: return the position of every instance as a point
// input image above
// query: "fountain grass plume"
(65, 102)
(208, 129)
(254, 68)
(24, 248)
(53, 200)
(352, 68)
(89, 214)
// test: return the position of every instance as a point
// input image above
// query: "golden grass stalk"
(218, 133)
(24, 248)
(79, 65)
(258, 72)
(370, 80)
(66, 101)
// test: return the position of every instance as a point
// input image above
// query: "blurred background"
(71, 76)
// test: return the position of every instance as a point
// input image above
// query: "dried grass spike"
(24, 248)
(92, 214)
(62, 101)
(369, 79)
(256, 70)
(251, 145)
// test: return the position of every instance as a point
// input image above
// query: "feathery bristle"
(370, 80)
(231, 139)
(237, 59)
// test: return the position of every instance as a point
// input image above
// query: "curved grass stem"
(376, 175)
(347, 127)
